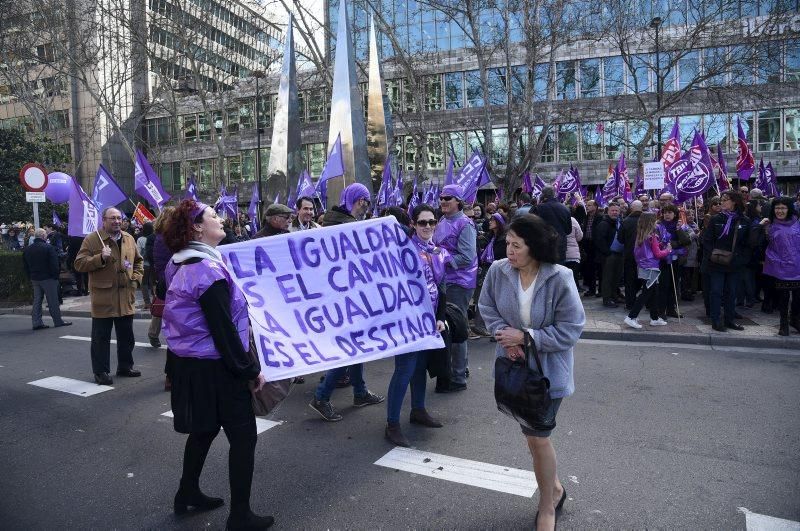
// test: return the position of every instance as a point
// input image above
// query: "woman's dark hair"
(400, 215)
(419, 209)
(752, 209)
(737, 198)
(668, 208)
(147, 228)
(541, 238)
(781, 201)
(179, 231)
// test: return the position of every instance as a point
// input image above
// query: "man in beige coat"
(115, 268)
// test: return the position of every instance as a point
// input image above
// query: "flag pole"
(675, 290)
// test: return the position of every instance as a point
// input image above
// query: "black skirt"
(205, 396)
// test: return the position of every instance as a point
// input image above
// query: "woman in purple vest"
(410, 368)
(648, 253)
(207, 329)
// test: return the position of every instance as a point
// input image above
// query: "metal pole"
(658, 85)
(36, 215)
(258, 151)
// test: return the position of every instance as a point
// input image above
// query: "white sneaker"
(633, 323)
(658, 322)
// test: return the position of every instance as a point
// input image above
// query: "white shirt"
(525, 297)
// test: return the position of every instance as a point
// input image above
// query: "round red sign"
(33, 177)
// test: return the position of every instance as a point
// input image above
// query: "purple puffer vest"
(185, 326)
(446, 236)
(644, 255)
(782, 259)
(433, 265)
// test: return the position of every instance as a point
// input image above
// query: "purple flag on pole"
(745, 163)
(693, 179)
(622, 176)
(56, 220)
(639, 185)
(84, 215)
(671, 151)
(538, 184)
(148, 185)
(448, 178)
(106, 192)
(598, 197)
(772, 176)
(396, 198)
(472, 176)
(227, 205)
(305, 188)
(252, 210)
(322, 194)
(766, 176)
(334, 166)
(527, 185)
(570, 183)
(191, 189)
(414, 201)
(611, 186)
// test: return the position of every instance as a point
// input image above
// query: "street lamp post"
(655, 23)
(258, 74)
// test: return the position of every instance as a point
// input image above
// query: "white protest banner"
(333, 296)
(653, 175)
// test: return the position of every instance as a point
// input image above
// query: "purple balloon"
(58, 187)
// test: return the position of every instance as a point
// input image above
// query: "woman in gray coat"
(529, 294)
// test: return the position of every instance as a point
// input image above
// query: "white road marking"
(73, 387)
(262, 425)
(474, 473)
(113, 341)
(762, 522)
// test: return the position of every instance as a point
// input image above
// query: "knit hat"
(453, 190)
(197, 210)
(352, 194)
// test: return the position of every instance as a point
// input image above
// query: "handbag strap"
(735, 233)
(530, 346)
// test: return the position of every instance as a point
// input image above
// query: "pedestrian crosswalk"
(762, 522)
(474, 473)
(71, 386)
(113, 341)
(262, 425)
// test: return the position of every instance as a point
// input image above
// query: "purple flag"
(148, 185)
(227, 206)
(56, 220)
(639, 187)
(599, 198)
(472, 176)
(191, 189)
(84, 215)
(396, 199)
(252, 210)
(764, 181)
(106, 192)
(448, 178)
(611, 186)
(745, 163)
(693, 179)
(671, 151)
(527, 185)
(622, 176)
(334, 166)
(538, 184)
(414, 201)
(569, 183)
(772, 176)
(322, 193)
(305, 188)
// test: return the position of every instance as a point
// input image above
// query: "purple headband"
(197, 210)
(499, 218)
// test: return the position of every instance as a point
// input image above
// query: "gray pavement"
(657, 435)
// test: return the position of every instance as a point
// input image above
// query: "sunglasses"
(426, 223)
(445, 197)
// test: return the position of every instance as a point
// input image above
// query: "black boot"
(192, 496)
(194, 456)
(766, 307)
(395, 435)
(248, 520)
(783, 328)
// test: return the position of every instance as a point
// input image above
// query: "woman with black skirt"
(207, 330)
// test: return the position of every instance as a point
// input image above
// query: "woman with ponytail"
(648, 253)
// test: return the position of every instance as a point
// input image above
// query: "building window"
(410, 153)
(519, 75)
(541, 82)
(205, 172)
(549, 147)
(475, 142)
(499, 146)
(234, 168)
(688, 125)
(716, 131)
(613, 76)
(246, 115)
(217, 118)
(457, 145)
(688, 69)
(714, 71)
(55, 121)
(435, 151)
(741, 65)
(316, 157)
(565, 80)
(591, 141)
(317, 105)
(264, 112)
(433, 92)
(792, 71)
(474, 90)
(567, 142)
(768, 62)
(498, 87)
(233, 121)
(614, 139)
(393, 93)
(639, 74)
(590, 78)
(248, 166)
(454, 90)
(769, 130)
(746, 119)
(791, 128)
(46, 53)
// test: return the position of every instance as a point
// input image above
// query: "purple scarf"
(487, 256)
(731, 218)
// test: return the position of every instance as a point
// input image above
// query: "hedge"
(14, 285)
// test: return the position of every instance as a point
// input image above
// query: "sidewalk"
(761, 330)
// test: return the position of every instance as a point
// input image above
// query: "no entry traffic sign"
(33, 177)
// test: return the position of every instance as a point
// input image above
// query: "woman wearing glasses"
(410, 368)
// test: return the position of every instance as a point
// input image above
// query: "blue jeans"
(408, 368)
(722, 294)
(458, 351)
(326, 387)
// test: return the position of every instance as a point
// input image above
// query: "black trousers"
(101, 343)
(631, 273)
(645, 297)
(589, 269)
(612, 275)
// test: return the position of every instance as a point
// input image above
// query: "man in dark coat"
(589, 267)
(608, 253)
(276, 220)
(557, 216)
(627, 236)
(40, 260)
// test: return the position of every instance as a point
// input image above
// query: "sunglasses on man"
(445, 197)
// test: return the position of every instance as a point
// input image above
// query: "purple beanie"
(454, 190)
(352, 194)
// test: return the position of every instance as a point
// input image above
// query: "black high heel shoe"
(197, 499)
(562, 500)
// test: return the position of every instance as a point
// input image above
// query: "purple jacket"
(161, 256)
(434, 260)
(447, 235)
(185, 326)
(782, 259)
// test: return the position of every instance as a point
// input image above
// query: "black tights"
(241, 459)
(781, 297)
(645, 297)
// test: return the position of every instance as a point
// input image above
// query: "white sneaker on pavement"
(633, 323)
(658, 322)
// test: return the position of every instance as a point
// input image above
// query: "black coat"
(603, 234)
(557, 216)
(627, 234)
(713, 239)
(41, 261)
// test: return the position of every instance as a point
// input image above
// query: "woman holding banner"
(529, 294)
(410, 368)
(207, 329)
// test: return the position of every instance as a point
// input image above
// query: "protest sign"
(333, 296)
(653, 176)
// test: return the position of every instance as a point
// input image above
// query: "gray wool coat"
(557, 317)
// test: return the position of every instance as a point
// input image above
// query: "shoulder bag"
(523, 393)
(272, 394)
(721, 256)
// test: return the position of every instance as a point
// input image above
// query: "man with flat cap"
(276, 220)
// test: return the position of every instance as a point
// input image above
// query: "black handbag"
(523, 393)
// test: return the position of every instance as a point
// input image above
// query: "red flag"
(142, 215)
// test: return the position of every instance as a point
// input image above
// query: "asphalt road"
(656, 436)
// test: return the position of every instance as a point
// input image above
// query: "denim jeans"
(746, 291)
(722, 294)
(408, 368)
(326, 387)
(458, 351)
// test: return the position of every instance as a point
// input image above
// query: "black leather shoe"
(734, 326)
(65, 323)
(102, 378)
(249, 521)
(131, 373)
(455, 387)
(423, 418)
(609, 303)
(41, 327)
(719, 327)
